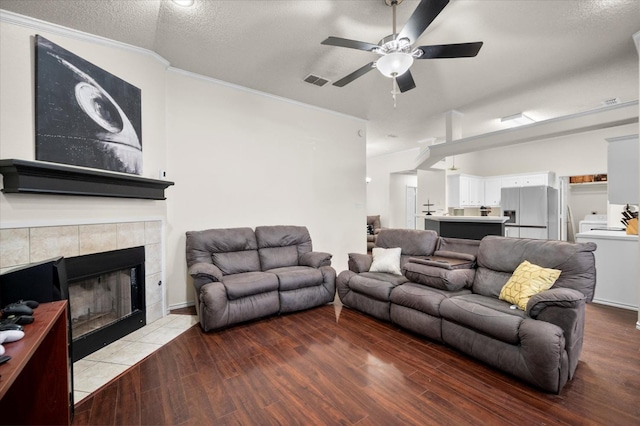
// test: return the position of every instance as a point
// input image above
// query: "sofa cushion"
(237, 262)
(498, 257)
(413, 242)
(435, 275)
(232, 250)
(278, 257)
(491, 317)
(528, 280)
(421, 298)
(249, 283)
(295, 277)
(386, 260)
(280, 246)
(458, 245)
(377, 285)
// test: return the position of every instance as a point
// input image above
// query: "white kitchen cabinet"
(476, 191)
(510, 181)
(533, 179)
(492, 189)
(617, 270)
(465, 191)
(622, 170)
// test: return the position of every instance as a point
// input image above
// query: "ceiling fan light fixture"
(394, 64)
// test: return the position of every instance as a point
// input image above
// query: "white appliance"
(592, 221)
(532, 212)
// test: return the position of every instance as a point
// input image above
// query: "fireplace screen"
(100, 301)
(106, 298)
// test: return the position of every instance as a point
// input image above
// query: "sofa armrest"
(360, 262)
(315, 259)
(558, 297)
(565, 308)
(205, 270)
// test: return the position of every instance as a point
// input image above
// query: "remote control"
(10, 336)
(18, 308)
(21, 320)
(30, 303)
(6, 327)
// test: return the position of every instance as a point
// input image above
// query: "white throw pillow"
(386, 260)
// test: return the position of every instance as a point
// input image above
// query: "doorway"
(412, 196)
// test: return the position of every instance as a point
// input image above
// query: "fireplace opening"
(106, 298)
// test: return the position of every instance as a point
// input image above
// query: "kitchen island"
(471, 227)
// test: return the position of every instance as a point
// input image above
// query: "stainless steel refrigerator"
(532, 212)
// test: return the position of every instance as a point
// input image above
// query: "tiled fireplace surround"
(23, 245)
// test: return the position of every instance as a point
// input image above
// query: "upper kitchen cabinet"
(534, 179)
(465, 191)
(622, 170)
(475, 191)
(492, 189)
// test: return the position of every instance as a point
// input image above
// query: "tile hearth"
(100, 367)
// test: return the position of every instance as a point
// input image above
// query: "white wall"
(578, 154)
(241, 158)
(380, 191)
(431, 189)
(238, 158)
(17, 124)
(398, 183)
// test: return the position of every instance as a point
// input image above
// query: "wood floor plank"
(314, 367)
(128, 403)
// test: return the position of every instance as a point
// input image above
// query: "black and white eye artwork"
(85, 116)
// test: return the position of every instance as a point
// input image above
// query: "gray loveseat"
(461, 307)
(241, 275)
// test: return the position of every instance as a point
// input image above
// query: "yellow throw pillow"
(528, 280)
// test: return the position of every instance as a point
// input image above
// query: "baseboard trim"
(181, 305)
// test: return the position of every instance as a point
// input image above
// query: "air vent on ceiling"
(316, 80)
(612, 101)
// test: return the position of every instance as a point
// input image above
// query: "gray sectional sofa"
(240, 274)
(449, 292)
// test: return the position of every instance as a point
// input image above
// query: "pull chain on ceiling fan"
(396, 51)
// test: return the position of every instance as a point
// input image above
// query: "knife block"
(632, 226)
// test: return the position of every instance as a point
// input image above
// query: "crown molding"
(39, 25)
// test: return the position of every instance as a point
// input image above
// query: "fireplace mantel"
(36, 177)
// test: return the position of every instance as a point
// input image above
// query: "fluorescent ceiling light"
(183, 3)
(517, 119)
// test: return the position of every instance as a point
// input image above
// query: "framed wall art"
(85, 116)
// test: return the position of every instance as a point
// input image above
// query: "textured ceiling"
(546, 58)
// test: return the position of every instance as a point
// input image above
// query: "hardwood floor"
(333, 365)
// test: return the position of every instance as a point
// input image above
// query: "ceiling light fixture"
(184, 3)
(517, 119)
(394, 64)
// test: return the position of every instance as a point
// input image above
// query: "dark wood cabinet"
(35, 383)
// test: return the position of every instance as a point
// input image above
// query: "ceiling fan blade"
(405, 81)
(352, 44)
(459, 50)
(424, 14)
(357, 73)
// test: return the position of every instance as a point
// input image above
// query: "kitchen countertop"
(483, 219)
(607, 235)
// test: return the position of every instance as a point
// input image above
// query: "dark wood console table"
(34, 387)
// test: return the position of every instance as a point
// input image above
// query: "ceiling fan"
(396, 51)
